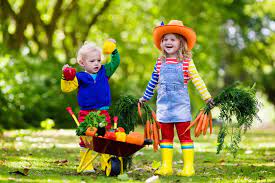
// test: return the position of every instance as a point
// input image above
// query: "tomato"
(120, 129)
(110, 135)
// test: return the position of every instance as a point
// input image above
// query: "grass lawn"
(52, 156)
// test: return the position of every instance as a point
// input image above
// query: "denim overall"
(173, 102)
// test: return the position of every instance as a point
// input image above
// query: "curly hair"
(183, 52)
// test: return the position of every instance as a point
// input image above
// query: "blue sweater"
(93, 94)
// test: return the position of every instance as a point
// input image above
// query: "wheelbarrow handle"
(69, 109)
(115, 122)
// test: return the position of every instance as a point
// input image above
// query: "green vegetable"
(81, 129)
(238, 109)
(93, 119)
(126, 110)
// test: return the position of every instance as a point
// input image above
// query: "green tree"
(235, 41)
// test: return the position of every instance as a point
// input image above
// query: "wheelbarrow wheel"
(114, 167)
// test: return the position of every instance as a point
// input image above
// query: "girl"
(172, 72)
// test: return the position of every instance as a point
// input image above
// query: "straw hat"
(174, 26)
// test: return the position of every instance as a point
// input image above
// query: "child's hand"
(142, 100)
(109, 46)
(112, 40)
(65, 66)
(210, 102)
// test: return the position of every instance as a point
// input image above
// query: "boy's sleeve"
(113, 64)
(149, 92)
(69, 86)
(198, 82)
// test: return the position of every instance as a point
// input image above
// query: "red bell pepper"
(69, 73)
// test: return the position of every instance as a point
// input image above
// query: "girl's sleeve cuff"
(115, 52)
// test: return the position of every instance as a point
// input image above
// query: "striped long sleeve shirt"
(193, 73)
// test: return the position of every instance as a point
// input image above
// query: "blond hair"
(86, 49)
(183, 52)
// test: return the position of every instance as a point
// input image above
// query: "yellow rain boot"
(167, 158)
(89, 156)
(188, 160)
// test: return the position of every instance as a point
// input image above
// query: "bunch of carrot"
(202, 121)
(151, 128)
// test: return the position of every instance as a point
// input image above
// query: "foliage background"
(235, 41)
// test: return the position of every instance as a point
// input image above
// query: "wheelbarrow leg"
(104, 161)
(83, 165)
(121, 165)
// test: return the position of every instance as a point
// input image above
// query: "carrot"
(158, 128)
(210, 122)
(206, 124)
(191, 124)
(154, 115)
(145, 131)
(139, 110)
(156, 133)
(155, 146)
(198, 117)
(155, 137)
(151, 131)
(202, 124)
(198, 127)
(148, 129)
(158, 125)
(204, 121)
(195, 121)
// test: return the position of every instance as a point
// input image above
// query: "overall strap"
(158, 64)
(185, 65)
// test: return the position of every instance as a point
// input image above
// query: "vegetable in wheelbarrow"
(101, 131)
(91, 131)
(120, 136)
(135, 138)
(130, 111)
(110, 135)
(93, 119)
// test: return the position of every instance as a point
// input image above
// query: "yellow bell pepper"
(108, 47)
(121, 136)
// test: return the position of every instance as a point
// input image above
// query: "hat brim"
(186, 32)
